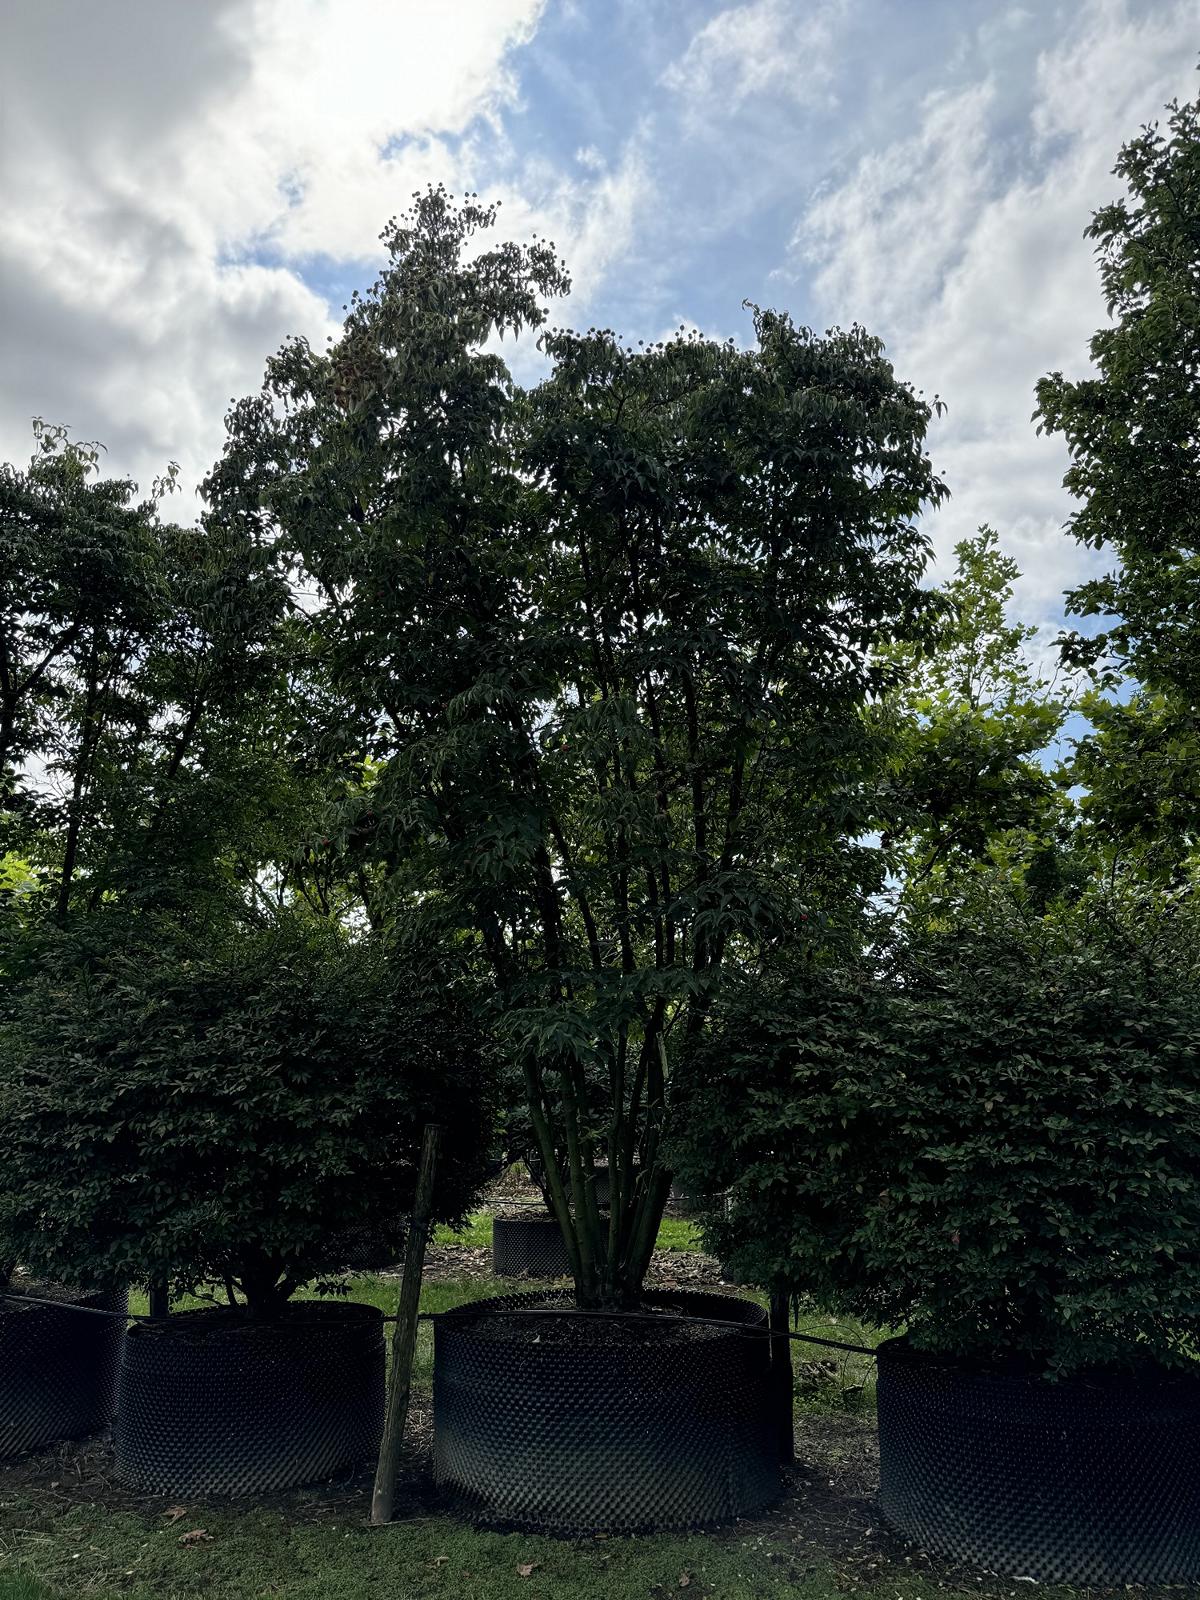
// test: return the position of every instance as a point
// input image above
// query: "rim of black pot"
(30, 1294)
(299, 1315)
(1150, 1377)
(528, 1302)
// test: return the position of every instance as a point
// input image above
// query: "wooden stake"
(404, 1336)
(781, 1375)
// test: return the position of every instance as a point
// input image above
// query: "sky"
(184, 185)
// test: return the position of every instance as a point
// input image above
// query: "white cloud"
(962, 245)
(764, 46)
(888, 237)
(174, 173)
(184, 184)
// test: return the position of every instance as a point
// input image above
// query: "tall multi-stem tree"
(1133, 431)
(604, 647)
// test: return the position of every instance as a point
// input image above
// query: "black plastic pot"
(1080, 1481)
(603, 1189)
(58, 1367)
(368, 1246)
(578, 1426)
(529, 1247)
(210, 1403)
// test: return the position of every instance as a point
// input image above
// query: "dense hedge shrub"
(995, 1142)
(219, 1112)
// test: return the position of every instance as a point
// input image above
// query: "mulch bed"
(669, 1269)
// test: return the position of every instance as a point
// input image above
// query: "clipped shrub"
(995, 1142)
(224, 1110)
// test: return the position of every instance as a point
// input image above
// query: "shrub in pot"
(220, 1111)
(997, 1143)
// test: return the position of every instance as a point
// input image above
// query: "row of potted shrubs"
(208, 1401)
(986, 1133)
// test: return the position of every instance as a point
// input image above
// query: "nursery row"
(588, 769)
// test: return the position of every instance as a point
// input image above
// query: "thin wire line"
(514, 1311)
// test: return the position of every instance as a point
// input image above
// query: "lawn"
(257, 1553)
(67, 1529)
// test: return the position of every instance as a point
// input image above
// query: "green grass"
(477, 1234)
(677, 1233)
(255, 1553)
(18, 1586)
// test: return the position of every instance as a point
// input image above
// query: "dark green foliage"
(213, 1108)
(601, 650)
(138, 661)
(998, 1142)
(1132, 430)
(1140, 773)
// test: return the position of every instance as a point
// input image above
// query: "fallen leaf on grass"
(195, 1536)
(684, 1579)
(525, 1568)
(439, 1561)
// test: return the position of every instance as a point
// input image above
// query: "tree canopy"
(970, 777)
(1133, 432)
(138, 660)
(599, 652)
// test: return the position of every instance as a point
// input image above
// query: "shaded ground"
(68, 1527)
(66, 1522)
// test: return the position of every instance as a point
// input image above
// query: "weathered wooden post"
(404, 1336)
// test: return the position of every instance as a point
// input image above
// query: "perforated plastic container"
(603, 1190)
(369, 1246)
(1089, 1482)
(528, 1247)
(577, 1427)
(58, 1367)
(210, 1403)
